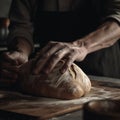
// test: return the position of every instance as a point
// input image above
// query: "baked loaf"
(73, 84)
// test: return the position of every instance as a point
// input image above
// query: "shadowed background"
(4, 7)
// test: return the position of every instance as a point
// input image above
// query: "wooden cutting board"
(15, 104)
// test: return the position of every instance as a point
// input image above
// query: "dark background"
(4, 7)
(4, 11)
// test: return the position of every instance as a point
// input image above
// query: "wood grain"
(44, 108)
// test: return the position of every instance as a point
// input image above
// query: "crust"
(73, 84)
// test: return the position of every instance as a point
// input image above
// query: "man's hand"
(53, 52)
(9, 64)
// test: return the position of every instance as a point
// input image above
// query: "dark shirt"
(67, 20)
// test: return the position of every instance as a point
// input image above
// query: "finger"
(55, 59)
(49, 46)
(8, 67)
(8, 75)
(43, 50)
(38, 66)
(68, 62)
(17, 57)
(42, 60)
(17, 54)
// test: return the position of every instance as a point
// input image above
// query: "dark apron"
(69, 26)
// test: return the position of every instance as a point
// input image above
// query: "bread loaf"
(73, 84)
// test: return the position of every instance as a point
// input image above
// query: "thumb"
(6, 56)
(18, 57)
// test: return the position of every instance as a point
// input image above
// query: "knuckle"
(73, 51)
(52, 43)
(66, 47)
(58, 44)
(56, 56)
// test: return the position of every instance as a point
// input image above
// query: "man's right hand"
(9, 66)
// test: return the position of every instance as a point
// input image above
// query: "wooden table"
(17, 106)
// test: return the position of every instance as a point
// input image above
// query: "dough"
(73, 84)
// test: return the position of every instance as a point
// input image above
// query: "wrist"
(81, 43)
(105, 36)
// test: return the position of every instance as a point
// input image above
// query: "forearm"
(21, 25)
(105, 36)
